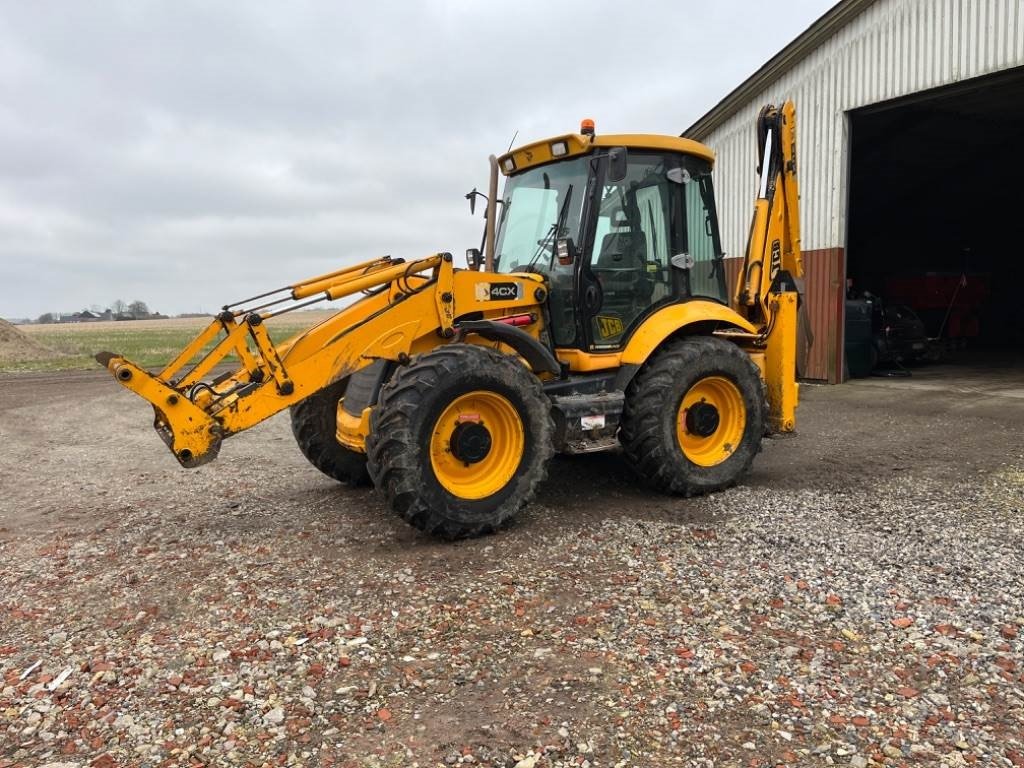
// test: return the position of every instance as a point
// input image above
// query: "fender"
(536, 354)
(672, 319)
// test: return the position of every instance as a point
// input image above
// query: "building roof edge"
(826, 25)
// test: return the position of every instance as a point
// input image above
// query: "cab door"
(637, 229)
(661, 207)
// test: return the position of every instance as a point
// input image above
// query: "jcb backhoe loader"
(596, 316)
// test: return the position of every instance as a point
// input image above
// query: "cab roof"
(541, 152)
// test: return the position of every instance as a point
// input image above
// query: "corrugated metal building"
(910, 115)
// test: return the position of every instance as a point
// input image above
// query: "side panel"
(586, 362)
(733, 269)
(824, 293)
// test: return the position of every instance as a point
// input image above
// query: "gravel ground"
(860, 601)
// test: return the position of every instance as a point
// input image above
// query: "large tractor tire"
(314, 424)
(460, 440)
(694, 417)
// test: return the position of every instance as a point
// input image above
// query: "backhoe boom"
(766, 293)
(773, 246)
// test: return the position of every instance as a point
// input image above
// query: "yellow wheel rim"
(710, 421)
(477, 445)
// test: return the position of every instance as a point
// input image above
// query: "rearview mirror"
(617, 161)
(473, 258)
(678, 175)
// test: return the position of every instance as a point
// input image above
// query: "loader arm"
(408, 307)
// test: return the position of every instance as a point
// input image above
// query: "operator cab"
(620, 225)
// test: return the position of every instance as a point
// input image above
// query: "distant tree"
(118, 307)
(139, 308)
(46, 318)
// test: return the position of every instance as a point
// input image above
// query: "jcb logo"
(776, 262)
(609, 326)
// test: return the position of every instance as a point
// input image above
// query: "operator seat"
(624, 248)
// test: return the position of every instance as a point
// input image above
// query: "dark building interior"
(936, 212)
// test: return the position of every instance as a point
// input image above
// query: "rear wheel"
(314, 424)
(460, 440)
(694, 417)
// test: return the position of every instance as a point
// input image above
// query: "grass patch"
(150, 343)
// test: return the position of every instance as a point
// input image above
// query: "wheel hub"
(702, 419)
(477, 444)
(470, 442)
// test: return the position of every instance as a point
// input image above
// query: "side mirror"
(617, 161)
(471, 196)
(473, 258)
(682, 261)
(566, 250)
(678, 175)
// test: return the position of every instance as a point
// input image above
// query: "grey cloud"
(186, 153)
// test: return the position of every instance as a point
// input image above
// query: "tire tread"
(647, 447)
(394, 456)
(314, 421)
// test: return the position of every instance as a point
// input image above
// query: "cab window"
(659, 210)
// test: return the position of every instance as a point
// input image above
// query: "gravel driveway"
(860, 601)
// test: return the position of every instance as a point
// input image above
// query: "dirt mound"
(16, 346)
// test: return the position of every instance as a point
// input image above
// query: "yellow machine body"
(416, 322)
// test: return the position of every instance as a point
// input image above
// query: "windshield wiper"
(555, 230)
(711, 214)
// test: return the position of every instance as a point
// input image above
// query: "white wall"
(892, 49)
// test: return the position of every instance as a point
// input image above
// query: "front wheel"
(694, 417)
(460, 440)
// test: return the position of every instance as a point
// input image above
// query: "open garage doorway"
(936, 232)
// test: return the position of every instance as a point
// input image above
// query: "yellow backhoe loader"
(595, 316)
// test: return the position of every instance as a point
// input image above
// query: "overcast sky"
(191, 153)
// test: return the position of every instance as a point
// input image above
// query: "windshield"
(539, 207)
